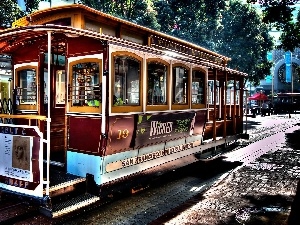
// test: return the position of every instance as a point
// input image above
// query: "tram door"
(57, 103)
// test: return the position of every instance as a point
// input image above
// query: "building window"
(86, 87)
(157, 84)
(198, 81)
(180, 85)
(127, 81)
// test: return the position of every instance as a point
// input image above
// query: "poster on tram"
(15, 156)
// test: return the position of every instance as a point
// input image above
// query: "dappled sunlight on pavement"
(262, 190)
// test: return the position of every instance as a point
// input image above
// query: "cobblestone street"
(257, 192)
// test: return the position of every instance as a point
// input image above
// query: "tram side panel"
(137, 145)
(83, 154)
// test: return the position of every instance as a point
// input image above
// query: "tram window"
(126, 81)
(85, 89)
(26, 90)
(59, 60)
(180, 85)
(198, 80)
(61, 22)
(211, 92)
(157, 84)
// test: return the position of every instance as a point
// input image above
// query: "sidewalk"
(260, 191)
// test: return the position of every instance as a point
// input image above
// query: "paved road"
(259, 191)
(221, 198)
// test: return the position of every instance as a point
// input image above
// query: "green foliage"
(193, 21)
(279, 14)
(31, 5)
(10, 11)
(245, 39)
(137, 11)
(119, 101)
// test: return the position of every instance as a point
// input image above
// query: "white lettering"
(158, 128)
(9, 130)
(156, 154)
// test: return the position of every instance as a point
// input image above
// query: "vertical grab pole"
(215, 106)
(48, 113)
(207, 94)
(246, 111)
(220, 97)
(144, 84)
(105, 97)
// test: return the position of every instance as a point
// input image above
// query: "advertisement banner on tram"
(154, 128)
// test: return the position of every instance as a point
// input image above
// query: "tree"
(138, 11)
(10, 11)
(193, 21)
(279, 14)
(31, 5)
(246, 40)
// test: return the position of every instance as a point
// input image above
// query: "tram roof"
(38, 15)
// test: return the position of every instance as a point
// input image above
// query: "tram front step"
(67, 186)
(70, 205)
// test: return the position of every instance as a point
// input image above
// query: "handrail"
(30, 117)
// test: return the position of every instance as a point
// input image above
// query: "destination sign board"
(161, 43)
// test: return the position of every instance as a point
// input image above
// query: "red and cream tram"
(97, 104)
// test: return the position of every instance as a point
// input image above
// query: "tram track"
(13, 211)
(163, 195)
(169, 192)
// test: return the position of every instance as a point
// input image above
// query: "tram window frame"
(64, 21)
(186, 96)
(162, 82)
(210, 92)
(60, 88)
(85, 104)
(122, 104)
(198, 82)
(21, 104)
(237, 93)
(230, 98)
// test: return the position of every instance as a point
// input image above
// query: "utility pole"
(292, 86)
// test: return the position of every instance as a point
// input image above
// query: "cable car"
(99, 104)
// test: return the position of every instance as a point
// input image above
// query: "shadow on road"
(292, 139)
(292, 142)
(251, 124)
(294, 217)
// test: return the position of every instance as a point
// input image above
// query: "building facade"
(276, 81)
